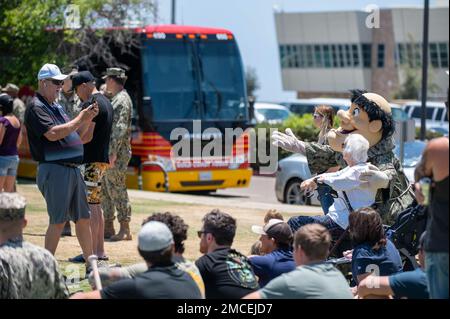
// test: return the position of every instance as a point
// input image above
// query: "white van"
(271, 113)
(436, 117)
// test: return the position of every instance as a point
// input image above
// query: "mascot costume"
(369, 115)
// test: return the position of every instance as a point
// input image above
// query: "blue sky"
(252, 22)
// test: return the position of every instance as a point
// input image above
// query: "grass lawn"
(125, 252)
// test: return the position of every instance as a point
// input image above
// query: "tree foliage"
(251, 80)
(34, 32)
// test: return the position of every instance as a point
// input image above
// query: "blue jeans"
(436, 267)
(325, 198)
(335, 230)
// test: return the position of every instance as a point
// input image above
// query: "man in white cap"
(56, 143)
(162, 280)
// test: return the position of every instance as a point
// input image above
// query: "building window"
(367, 55)
(295, 62)
(327, 59)
(417, 55)
(380, 55)
(341, 55)
(334, 55)
(283, 56)
(301, 56)
(309, 56)
(434, 55)
(355, 49)
(318, 56)
(443, 54)
(348, 56)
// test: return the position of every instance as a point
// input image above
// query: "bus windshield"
(222, 81)
(189, 80)
(169, 79)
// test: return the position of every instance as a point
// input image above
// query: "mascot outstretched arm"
(369, 115)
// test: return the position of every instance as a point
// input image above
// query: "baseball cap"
(154, 236)
(6, 100)
(277, 229)
(51, 71)
(262, 230)
(118, 72)
(10, 87)
(81, 77)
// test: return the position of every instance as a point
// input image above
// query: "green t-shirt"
(316, 281)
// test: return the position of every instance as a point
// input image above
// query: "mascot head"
(369, 115)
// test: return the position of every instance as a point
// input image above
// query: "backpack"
(407, 229)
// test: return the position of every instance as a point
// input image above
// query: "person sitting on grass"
(179, 231)
(226, 272)
(255, 249)
(27, 271)
(162, 280)
(276, 243)
(313, 278)
(408, 284)
(372, 251)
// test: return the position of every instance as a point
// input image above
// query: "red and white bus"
(184, 77)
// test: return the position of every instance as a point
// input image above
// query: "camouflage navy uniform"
(71, 104)
(28, 271)
(390, 201)
(114, 190)
(19, 109)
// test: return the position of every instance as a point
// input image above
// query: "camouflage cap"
(11, 88)
(117, 72)
(12, 206)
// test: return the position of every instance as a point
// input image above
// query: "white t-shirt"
(347, 180)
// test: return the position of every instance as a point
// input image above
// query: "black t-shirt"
(227, 274)
(39, 118)
(156, 283)
(97, 149)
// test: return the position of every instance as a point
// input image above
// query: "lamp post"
(426, 14)
(174, 4)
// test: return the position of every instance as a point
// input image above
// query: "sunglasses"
(317, 115)
(201, 232)
(56, 82)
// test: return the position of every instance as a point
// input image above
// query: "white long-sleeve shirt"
(347, 180)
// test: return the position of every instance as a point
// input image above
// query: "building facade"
(328, 53)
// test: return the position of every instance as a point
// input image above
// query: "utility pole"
(426, 14)
(174, 4)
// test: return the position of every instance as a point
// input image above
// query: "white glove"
(374, 178)
(288, 141)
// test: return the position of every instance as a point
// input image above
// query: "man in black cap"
(96, 159)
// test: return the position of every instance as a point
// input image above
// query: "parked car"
(412, 155)
(436, 117)
(271, 113)
(299, 106)
(292, 171)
